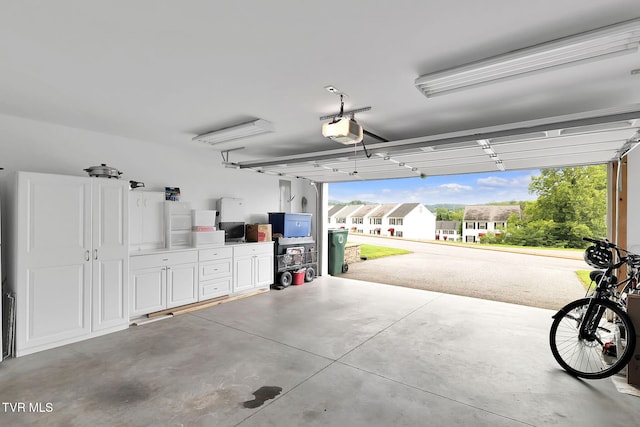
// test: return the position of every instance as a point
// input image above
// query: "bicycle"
(594, 337)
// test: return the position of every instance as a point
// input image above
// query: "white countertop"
(191, 248)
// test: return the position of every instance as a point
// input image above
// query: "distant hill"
(448, 206)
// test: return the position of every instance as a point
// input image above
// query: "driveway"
(525, 278)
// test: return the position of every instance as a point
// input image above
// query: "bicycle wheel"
(602, 353)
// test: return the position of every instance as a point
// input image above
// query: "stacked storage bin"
(203, 229)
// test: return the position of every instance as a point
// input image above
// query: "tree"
(571, 204)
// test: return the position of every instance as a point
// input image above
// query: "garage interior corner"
(331, 352)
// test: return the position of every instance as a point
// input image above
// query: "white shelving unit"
(178, 224)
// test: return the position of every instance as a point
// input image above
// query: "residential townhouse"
(332, 215)
(477, 221)
(409, 220)
(358, 220)
(413, 221)
(448, 230)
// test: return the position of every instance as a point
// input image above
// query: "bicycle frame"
(590, 321)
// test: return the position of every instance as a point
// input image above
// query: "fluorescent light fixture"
(594, 45)
(344, 131)
(231, 133)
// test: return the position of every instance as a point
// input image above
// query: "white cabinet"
(146, 220)
(215, 272)
(163, 280)
(252, 266)
(70, 250)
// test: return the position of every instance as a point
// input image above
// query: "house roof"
(383, 210)
(490, 213)
(447, 225)
(404, 209)
(366, 210)
(349, 210)
(334, 210)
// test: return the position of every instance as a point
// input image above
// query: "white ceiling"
(166, 71)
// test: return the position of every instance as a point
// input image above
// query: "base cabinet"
(163, 280)
(252, 266)
(168, 279)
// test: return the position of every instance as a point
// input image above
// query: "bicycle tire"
(592, 358)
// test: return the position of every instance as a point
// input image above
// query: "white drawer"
(214, 288)
(215, 253)
(253, 249)
(215, 269)
(162, 259)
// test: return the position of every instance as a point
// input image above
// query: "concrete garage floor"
(343, 352)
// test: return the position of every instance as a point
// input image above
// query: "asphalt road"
(520, 278)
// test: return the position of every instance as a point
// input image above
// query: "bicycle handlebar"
(602, 242)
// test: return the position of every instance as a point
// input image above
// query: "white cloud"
(522, 181)
(456, 188)
(494, 181)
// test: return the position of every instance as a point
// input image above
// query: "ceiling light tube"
(231, 133)
(594, 45)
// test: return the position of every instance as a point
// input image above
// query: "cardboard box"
(633, 368)
(633, 310)
(258, 233)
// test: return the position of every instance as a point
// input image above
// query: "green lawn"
(373, 252)
(584, 277)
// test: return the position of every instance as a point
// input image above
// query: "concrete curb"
(538, 252)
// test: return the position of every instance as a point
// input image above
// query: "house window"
(375, 221)
(499, 224)
(357, 220)
(471, 239)
(482, 226)
(470, 225)
(341, 220)
(398, 233)
(395, 221)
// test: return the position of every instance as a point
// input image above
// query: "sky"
(468, 189)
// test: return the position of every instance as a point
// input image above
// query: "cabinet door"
(148, 288)
(110, 254)
(243, 274)
(53, 260)
(153, 219)
(263, 266)
(135, 218)
(182, 284)
(146, 219)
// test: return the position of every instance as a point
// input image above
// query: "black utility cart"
(294, 255)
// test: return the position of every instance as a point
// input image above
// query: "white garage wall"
(42, 147)
(633, 196)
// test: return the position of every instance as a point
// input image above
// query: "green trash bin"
(337, 243)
